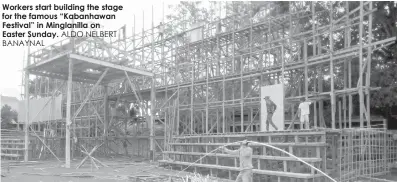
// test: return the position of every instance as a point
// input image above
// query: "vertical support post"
(282, 78)
(345, 71)
(241, 94)
(176, 105)
(340, 114)
(192, 129)
(105, 115)
(152, 118)
(360, 83)
(191, 101)
(369, 60)
(143, 37)
(68, 108)
(223, 102)
(314, 27)
(314, 53)
(315, 122)
(207, 69)
(307, 125)
(26, 89)
(164, 78)
(233, 67)
(349, 69)
(331, 65)
(152, 100)
(306, 69)
(68, 114)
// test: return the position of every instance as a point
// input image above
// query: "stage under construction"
(198, 86)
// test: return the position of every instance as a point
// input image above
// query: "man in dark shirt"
(271, 108)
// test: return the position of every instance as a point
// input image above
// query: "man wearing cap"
(271, 108)
(245, 156)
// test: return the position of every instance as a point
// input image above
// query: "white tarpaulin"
(52, 111)
(276, 95)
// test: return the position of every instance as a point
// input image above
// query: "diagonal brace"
(89, 95)
(135, 92)
(89, 155)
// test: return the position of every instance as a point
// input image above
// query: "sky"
(11, 62)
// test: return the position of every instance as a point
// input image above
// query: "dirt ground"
(119, 169)
(122, 169)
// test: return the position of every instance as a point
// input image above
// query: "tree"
(7, 115)
(186, 13)
(385, 60)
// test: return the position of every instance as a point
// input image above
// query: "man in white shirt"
(245, 155)
(304, 112)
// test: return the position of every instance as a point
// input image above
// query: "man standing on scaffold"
(304, 112)
(271, 108)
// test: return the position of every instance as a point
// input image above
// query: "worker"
(304, 112)
(271, 108)
(161, 29)
(133, 113)
(125, 145)
(245, 156)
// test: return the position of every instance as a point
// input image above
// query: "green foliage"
(7, 115)
(186, 13)
(384, 60)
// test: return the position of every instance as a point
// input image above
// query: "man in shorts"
(304, 112)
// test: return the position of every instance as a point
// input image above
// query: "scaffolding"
(205, 79)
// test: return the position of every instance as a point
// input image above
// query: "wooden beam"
(111, 65)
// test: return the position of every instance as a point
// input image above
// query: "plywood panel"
(52, 111)
(276, 94)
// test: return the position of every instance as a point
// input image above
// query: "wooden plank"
(266, 157)
(257, 134)
(11, 155)
(2, 148)
(311, 144)
(256, 171)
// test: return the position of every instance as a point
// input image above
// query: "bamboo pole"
(68, 114)
(360, 82)
(368, 75)
(333, 105)
(27, 98)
